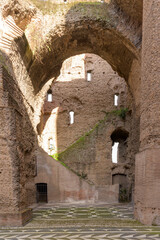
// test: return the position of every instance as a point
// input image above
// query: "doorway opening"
(41, 192)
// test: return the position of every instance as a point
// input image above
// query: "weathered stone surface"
(86, 145)
(111, 30)
(77, 29)
(17, 154)
(147, 202)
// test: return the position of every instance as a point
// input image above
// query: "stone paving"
(44, 224)
(122, 212)
(80, 234)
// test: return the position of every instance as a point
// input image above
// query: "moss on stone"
(2, 62)
(120, 112)
(56, 156)
(59, 156)
(95, 9)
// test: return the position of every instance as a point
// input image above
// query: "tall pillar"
(147, 173)
(12, 211)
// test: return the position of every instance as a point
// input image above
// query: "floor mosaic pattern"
(122, 212)
(80, 234)
(45, 213)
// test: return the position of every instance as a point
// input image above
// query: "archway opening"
(119, 145)
(84, 103)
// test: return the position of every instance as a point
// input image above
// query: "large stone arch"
(75, 32)
(104, 35)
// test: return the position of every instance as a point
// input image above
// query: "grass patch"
(96, 10)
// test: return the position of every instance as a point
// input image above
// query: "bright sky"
(115, 152)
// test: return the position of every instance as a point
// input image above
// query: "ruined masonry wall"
(90, 156)
(17, 166)
(147, 197)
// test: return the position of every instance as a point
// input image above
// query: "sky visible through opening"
(115, 152)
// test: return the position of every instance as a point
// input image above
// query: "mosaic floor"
(80, 234)
(39, 229)
(63, 213)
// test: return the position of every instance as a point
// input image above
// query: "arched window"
(115, 152)
(49, 95)
(119, 145)
(71, 117)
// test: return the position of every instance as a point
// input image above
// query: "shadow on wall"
(56, 183)
(80, 37)
(78, 132)
(96, 35)
(18, 143)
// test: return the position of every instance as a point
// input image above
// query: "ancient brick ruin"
(77, 80)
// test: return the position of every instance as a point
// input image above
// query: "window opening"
(89, 76)
(50, 143)
(119, 145)
(116, 99)
(49, 95)
(41, 192)
(115, 152)
(71, 116)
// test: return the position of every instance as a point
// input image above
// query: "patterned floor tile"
(81, 234)
(59, 213)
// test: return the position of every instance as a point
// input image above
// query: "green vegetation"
(2, 62)
(46, 7)
(94, 9)
(120, 112)
(76, 11)
(58, 156)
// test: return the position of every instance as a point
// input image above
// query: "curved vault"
(95, 28)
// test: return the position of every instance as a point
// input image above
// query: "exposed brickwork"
(16, 146)
(91, 156)
(112, 30)
(147, 197)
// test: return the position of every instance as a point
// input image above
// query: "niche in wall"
(119, 145)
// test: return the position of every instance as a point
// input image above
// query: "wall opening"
(116, 99)
(89, 75)
(41, 192)
(49, 96)
(119, 145)
(71, 117)
(115, 152)
(122, 180)
(50, 143)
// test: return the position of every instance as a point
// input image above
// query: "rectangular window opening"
(49, 95)
(50, 143)
(89, 76)
(116, 99)
(71, 116)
